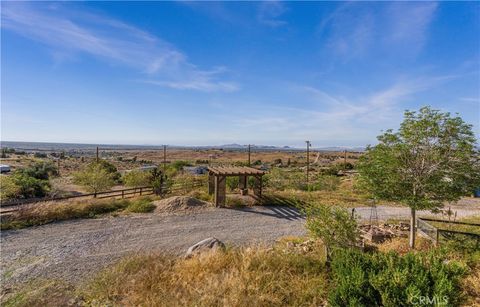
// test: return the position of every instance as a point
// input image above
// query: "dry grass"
(238, 277)
(401, 245)
(48, 212)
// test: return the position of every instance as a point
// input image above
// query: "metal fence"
(436, 235)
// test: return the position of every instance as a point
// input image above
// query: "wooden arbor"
(217, 177)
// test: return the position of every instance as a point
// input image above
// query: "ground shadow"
(276, 206)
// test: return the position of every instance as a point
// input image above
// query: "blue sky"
(193, 73)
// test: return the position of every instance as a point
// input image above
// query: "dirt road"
(73, 250)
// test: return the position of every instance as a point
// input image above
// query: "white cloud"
(339, 120)
(69, 32)
(357, 28)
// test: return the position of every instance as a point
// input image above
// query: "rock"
(207, 245)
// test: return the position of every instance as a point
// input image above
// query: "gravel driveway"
(73, 250)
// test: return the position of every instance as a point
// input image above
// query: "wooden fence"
(123, 193)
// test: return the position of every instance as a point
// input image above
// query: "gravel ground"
(74, 250)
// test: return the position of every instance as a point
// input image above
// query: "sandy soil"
(74, 250)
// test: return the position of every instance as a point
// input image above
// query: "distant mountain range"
(43, 146)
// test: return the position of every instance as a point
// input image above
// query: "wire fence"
(438, 235)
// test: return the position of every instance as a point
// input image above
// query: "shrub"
(232, 183)
(108, 167)
(94, 178)
(40, 170)
(180, 164)
(30, 186)
(387, 279)
(50, 212)
(326, 183)
(333, 225)
(8, 187)
(142, 205)
(137, 178)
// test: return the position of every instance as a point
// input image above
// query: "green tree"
(430, 160)
(94, 178)
(137, 178)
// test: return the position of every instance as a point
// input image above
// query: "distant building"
(196, 170)
(4, 168)
(147, 168)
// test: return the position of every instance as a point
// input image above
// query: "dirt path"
(73, 250)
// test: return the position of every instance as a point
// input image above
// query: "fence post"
(141, 191)
(123, 194)
(95, 194)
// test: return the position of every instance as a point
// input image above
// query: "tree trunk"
(413, 229)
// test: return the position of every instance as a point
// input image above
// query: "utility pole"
(308, 162)
(97, 154)
(164, 158)
(249, 153)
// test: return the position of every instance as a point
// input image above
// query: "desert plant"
(30, 186)
(8, 187)
(326, 183)
(388, 279)
(137, 178)
(232, 183)
(94, 178)
(430, 160)
(142, 205)
(333, 225)
(39, 170)
(50, 212)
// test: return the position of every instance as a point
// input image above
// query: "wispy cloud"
(355, 29)
(270, 12)
(71, 32)
(336, 119)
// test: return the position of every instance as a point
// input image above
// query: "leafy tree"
(333, 225)
(137, 178)
(109, 168)
(430, 160)
(95, 178)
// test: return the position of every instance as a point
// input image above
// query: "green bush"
(39, 170)
(388, 279)
(28, 186)
(333, 225)
(232, 183)
(142, 205)
(137, 178)
(326, 183)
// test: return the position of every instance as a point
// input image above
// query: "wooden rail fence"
(123, 193)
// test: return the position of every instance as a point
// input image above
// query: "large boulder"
(208, 245)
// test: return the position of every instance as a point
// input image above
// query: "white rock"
(207, 245)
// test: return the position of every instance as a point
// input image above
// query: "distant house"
(147, 168)
(4, 168)
(196, 170)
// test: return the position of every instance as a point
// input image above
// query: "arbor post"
(220, 191)
(211, 184)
